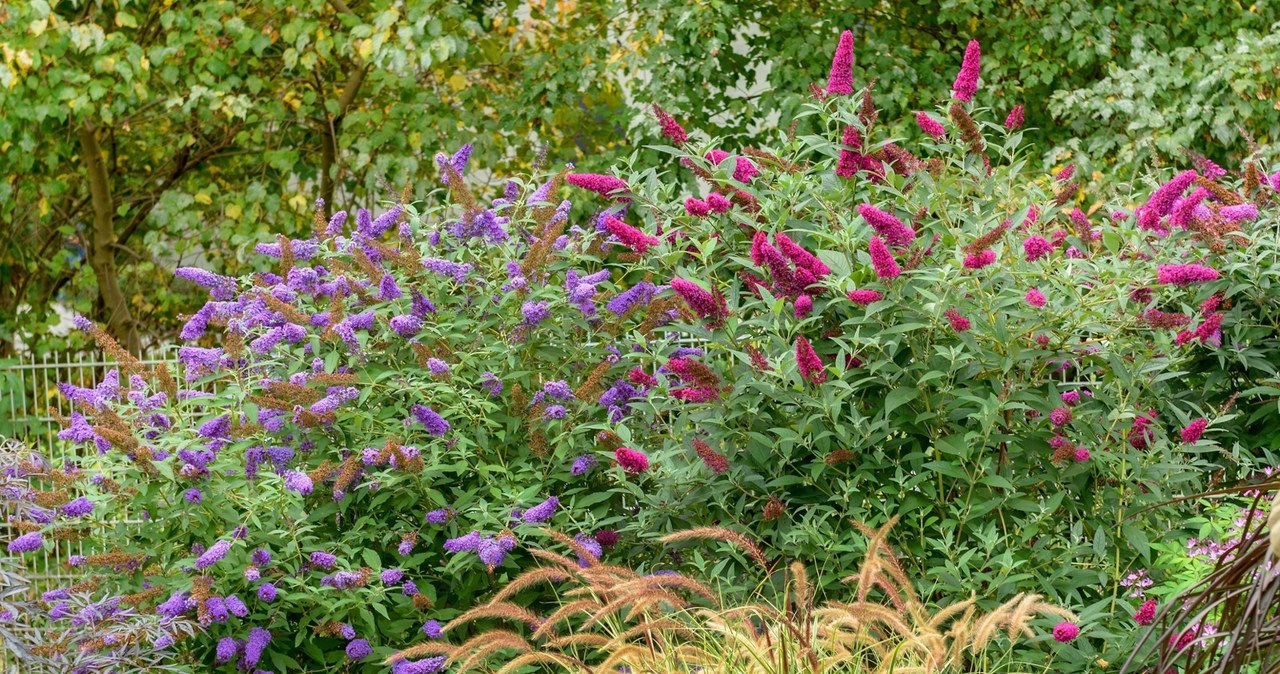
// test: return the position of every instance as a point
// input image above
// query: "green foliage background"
(223, 121)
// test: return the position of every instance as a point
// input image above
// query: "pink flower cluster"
(966, 84)
(795, 271)
(1184, 274)
(886, 225)
(932, 127)
(707, 305)
(1016, 116)
(1162, 200)
(840, 80)
(882, 260)
(980, 260)
(715, 203)
(630, 236)
(810, 364)
(1036, 247)
(958, 323)
(606, 186)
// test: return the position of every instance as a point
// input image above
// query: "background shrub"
(219, 123)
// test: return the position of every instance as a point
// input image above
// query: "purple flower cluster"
(582, 289)
(542, 512)
(213, 555)
(582, 464)
(434, 423)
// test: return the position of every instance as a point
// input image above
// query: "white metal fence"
(30, 405)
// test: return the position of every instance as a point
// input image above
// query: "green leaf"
(898, 397)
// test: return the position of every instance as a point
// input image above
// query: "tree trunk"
(101, 245)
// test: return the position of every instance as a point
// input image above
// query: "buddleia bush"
(365, 433)
(936, 331)
(365, 437)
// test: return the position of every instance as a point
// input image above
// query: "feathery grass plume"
(503, 610)
(1239, 593)
(615, 618)
(527, 659)
(493, 642)
(719, 534)
(530, 578)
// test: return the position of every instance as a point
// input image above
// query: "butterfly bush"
(365, 436)
(978, 356)
(369, 430)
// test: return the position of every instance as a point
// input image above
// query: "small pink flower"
(800, 257)
(1162, 200)
(1036, 247)
(887, 225)
(1065, 632)
(865, 297)
(709, 306)
(931, 126)
(850, 159)
(840, 81)
(1191, 434)
(696, 207)
(631, 461)
(1071, 398)
(882, 260)
(958, 323)
(1060, 416)
(1146, 613)
(1065, 174)
(966, 84)
(1082, 455)
(809, 362)
(804, 305)
(671, 129)
(980, 260)
(1016, 116)
(1036, 299)
(608, 186)
(630, 236)
(1184, 274)
(718, 203)
(1140, 434)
